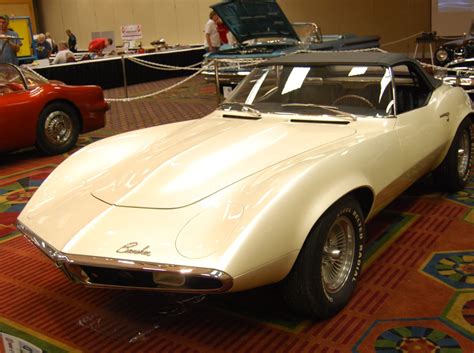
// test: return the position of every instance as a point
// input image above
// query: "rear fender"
(459, 113)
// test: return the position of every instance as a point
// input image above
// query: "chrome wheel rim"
(338, 254)
(464, 154)
(58, 128)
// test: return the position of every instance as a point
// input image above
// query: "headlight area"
(197, 239)
(126, 274)
(442, 56)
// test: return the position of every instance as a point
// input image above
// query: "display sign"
(22, 26)
(12, 344)
(131, 32)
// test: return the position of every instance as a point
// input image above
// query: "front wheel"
(58, 129)
(452, 175)
(324, 276)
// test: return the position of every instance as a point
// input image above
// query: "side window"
(33, 80)
(10, 80)
(412, 92)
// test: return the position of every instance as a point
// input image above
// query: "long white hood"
(204, 157)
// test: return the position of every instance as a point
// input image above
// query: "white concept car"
(274, 186)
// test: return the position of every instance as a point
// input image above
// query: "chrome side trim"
(71, 266)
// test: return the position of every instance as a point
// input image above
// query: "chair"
(14, 86)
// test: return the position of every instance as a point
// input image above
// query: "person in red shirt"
(222, 29)
(98, 45)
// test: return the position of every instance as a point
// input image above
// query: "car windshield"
(319, 89)
(307, 32)
(32, 78)
(10, 80)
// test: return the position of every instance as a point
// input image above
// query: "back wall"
(182, 21)
(177, 21)
(391, 20)
(19, 8)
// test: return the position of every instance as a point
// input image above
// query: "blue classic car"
(263, 31)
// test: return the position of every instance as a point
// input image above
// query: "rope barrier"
(339, 51)
(442, 68)
(131, 99)
(249, 62)
(452, 38)
(401, 40)
(240, 63)
(165, 67)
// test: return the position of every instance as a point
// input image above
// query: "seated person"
(101, 46)
(41, 47)
(64, 55)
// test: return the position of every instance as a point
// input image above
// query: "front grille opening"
(146, 279)
(108, 276)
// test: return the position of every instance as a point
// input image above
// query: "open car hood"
(251, 19)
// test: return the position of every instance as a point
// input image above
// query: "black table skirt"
(108, 72)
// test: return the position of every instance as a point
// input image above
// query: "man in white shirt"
(64, 55)
(213, 40)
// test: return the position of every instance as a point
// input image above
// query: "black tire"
(310, 288)
(58, 129)
(453, 173)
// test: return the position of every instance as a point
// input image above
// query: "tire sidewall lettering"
(358, 223)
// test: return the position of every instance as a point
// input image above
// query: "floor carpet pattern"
(416, 293)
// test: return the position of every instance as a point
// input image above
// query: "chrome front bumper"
(125, 274)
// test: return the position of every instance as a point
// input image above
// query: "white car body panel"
(198, 193)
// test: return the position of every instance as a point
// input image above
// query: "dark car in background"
(462, 48)
(263, 31)
(459, 73)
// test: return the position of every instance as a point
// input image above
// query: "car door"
(17, 124)
(422, 124)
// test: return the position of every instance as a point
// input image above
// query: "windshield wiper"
(326, 107)
(245, 107)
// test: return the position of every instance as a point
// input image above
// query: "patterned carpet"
(416, 293)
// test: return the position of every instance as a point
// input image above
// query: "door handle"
(445, 115)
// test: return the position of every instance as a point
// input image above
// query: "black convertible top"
(343, 57)
(349, 58)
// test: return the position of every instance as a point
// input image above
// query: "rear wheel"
(452, 175)
(58, 129)
(326, 271)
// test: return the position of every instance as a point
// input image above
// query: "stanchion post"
(216, 76)
(124, 73)
(458, 78)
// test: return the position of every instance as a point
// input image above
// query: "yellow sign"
(22, 26)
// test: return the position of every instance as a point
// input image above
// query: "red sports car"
(48, 114)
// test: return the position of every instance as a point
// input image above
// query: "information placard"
(131, 32)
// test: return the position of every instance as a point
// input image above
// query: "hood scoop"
(335, 122)
(243, 117)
